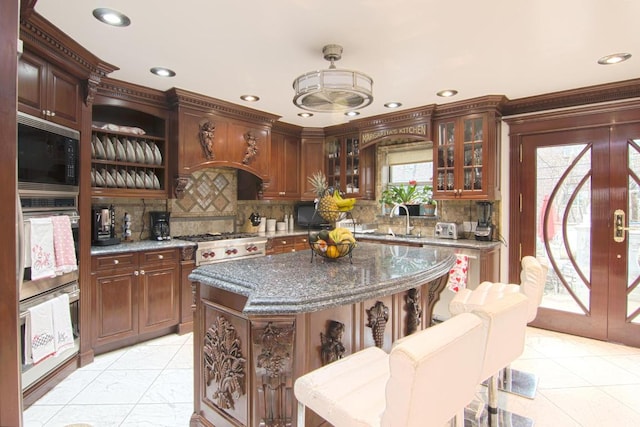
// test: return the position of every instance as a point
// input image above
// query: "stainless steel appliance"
(160, 229)
(485, 228)
(47, 155)
(103, 226)
(219, 247)
(448, 230)
(35, 204)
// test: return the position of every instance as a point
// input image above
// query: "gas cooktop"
(210, 237)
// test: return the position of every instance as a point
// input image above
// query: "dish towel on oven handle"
(458, 273)
(62, 330)
(39, 335)
(64, 248)
(42, 251)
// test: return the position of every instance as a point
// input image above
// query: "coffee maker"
(485, 228)
(160, 226)
(103, 226)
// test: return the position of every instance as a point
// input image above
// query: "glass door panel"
(633, 223)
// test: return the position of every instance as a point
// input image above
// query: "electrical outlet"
(468, 226)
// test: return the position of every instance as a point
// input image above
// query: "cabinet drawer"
(301, 243)
(114, 261)
(162, 257)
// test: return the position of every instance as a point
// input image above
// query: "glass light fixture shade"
(333, 90)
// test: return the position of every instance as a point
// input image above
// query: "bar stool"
(413, 385)
(532, 281)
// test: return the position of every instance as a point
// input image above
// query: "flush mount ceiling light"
(447, 93)
(305, 115)
(333, 90)
(111, 17)
(162, 72)
(393, 104)
(250, 98)
(352, 113)
(614, 58)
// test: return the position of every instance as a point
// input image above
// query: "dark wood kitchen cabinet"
(466, 155)
(135, 296)
(284, 244)
(311, 160)
(285, 166)
(48, 92)
(350, 168)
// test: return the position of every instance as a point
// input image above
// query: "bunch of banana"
(343, 239)
(344, 205)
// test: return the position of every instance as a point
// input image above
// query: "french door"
(580, 192)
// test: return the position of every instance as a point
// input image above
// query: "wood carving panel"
(273, 349)
(332, 348)
(224, 364)
(414, 310)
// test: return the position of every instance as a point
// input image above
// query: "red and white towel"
(43, 260)
(458, 273)
(63, 245)
(39, 336)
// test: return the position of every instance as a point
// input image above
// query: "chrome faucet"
(398, 206)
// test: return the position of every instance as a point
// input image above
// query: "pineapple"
(327, 206)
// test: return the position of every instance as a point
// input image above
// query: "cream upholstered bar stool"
(413, 385)
(533, 278)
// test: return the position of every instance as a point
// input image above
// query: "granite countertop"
(295, 283)
(139, 246)
(430, 240)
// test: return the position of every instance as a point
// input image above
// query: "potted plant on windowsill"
(411, 196)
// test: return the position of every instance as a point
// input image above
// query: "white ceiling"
(411, 48)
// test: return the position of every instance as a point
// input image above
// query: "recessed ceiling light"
(163, 72)
(614, 59)
(352, 113)
(447, 93)
(111, 17)
(305, 115)
(250, 98)
(393, 104)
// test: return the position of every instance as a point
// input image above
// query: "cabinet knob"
(116, 261)
(142, 272)
(160, 256)
(136, 272)
(52, 113)
(44, 112)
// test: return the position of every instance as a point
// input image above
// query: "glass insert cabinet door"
(343, 164)
(461, 151)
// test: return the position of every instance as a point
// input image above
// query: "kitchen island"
(261, 323)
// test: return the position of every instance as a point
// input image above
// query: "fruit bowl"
(333, 244)
(332, 250)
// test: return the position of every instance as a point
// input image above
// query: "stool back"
(434, 373)
(532, 281)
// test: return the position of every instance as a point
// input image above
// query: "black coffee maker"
(160, 226)
(485, 228)
(103, 226)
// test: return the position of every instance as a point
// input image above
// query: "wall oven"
(37, 204)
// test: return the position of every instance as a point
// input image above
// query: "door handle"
(619, 228)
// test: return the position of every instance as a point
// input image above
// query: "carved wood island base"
(263, 322)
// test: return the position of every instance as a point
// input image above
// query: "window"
(404, 165)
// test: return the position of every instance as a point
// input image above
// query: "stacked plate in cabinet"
(134, 162)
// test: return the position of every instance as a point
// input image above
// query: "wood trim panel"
(10, 388)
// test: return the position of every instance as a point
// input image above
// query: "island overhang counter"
(261, 323)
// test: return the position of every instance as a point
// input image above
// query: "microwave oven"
(47, 155)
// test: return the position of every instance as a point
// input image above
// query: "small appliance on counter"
(485, 228)
(160, 229)
(448, 230)
(103, 226)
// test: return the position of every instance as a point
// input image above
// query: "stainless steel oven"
(36, 203)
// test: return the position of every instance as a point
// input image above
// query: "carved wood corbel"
(206, 136)
(414, 310)
(252, 147)
(378, 316)
(331, 347)
(180, 186)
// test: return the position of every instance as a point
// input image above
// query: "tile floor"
(582, 383)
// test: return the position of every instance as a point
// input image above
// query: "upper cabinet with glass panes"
(466, 164)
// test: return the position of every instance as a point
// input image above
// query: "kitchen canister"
(271, 224)
(281, 226)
